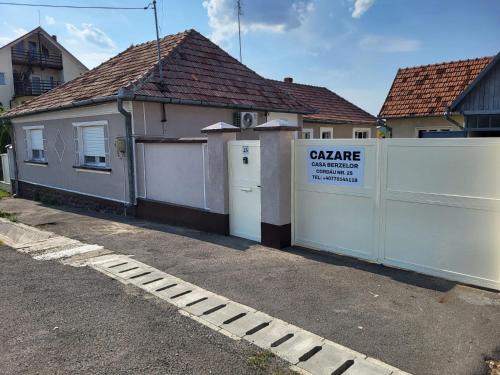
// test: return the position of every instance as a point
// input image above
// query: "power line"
(73, 6)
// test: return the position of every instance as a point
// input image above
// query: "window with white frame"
(307, 133)
(361, 133)
(92, 144)
(326, 133)
(35, 147)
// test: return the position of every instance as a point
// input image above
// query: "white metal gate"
(244, 189)
(429, 205)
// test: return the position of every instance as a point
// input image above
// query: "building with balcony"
(34, 64)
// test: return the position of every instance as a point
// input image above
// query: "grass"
(260, 360)
(4, 194)
(8, 216)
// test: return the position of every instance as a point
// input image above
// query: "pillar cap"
(278, 124)
(220, 127)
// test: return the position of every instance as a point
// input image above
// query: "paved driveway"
(417, 323)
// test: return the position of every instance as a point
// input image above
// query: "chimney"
(288, 80)
(54, 37)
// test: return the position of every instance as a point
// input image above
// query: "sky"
(352, 47)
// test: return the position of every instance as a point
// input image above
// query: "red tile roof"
(195, 70)
(331, 108)
(430, 89)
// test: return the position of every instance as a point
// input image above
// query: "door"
(244, 189)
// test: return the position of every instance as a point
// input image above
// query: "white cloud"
(361, 6)
(92, 35)
(50, 20)
(389, 44)
(14, 33)
(258, 15)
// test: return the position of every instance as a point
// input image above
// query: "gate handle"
(246, 189)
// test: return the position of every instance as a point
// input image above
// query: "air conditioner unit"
(246, 120)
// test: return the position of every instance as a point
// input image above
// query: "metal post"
(238, 5)
(158, 42)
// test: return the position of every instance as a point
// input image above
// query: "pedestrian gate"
(429, 205)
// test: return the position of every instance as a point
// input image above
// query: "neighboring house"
(32, 65)
(335, 117)
(447, 97)
(73, 138)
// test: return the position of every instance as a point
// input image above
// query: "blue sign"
(343, 166)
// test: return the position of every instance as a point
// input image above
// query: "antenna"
(238, 9)
(158, 42)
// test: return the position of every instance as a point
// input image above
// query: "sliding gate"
(428, 205)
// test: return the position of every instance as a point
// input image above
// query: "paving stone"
(272, 333)
(297, 346)
(148, 278)
(199, 308)
(229, 311)
(133, 273)
(112, 268)
(67, 252)
(186, 299)
(369, 366)
(241, 326)
(329, 359)
(167, 280)
(106, 260)
(175, 290)
(51, 243)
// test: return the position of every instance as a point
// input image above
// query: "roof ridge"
(446, 62)
(325, 88)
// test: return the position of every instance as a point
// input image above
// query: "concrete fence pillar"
(276, 190)
(217, 180)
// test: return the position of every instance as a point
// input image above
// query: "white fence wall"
(429, 205)
(5, 168)
(172, 172)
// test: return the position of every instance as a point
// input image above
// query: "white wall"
(71, 67)
(408, 127)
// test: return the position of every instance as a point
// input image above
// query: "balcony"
(34, 87)
(36, 58)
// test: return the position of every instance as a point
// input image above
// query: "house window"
(35, 149)
(361, 133)
(92, 144)
(326, 133)
(307, 133)
(2, 78)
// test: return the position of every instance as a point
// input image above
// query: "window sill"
(36, 162)
(91, 169)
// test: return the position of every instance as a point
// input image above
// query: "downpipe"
(124, 95)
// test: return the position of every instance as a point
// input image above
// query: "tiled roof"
(430, 89)
(331, 108)
(195, 70)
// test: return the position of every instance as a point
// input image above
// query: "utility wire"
(73, 6)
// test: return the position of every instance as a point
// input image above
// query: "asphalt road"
(420, 324)
(57, 319)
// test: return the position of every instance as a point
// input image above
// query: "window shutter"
(36, 139)
(93, 141)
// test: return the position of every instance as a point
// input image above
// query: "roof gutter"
(123, 94)
(81, 103)
(154, 99)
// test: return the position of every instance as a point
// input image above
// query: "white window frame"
(79, 144)
(325, 130)
(361, 130)
(436, 128)
(308, 131)
(29, 149)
